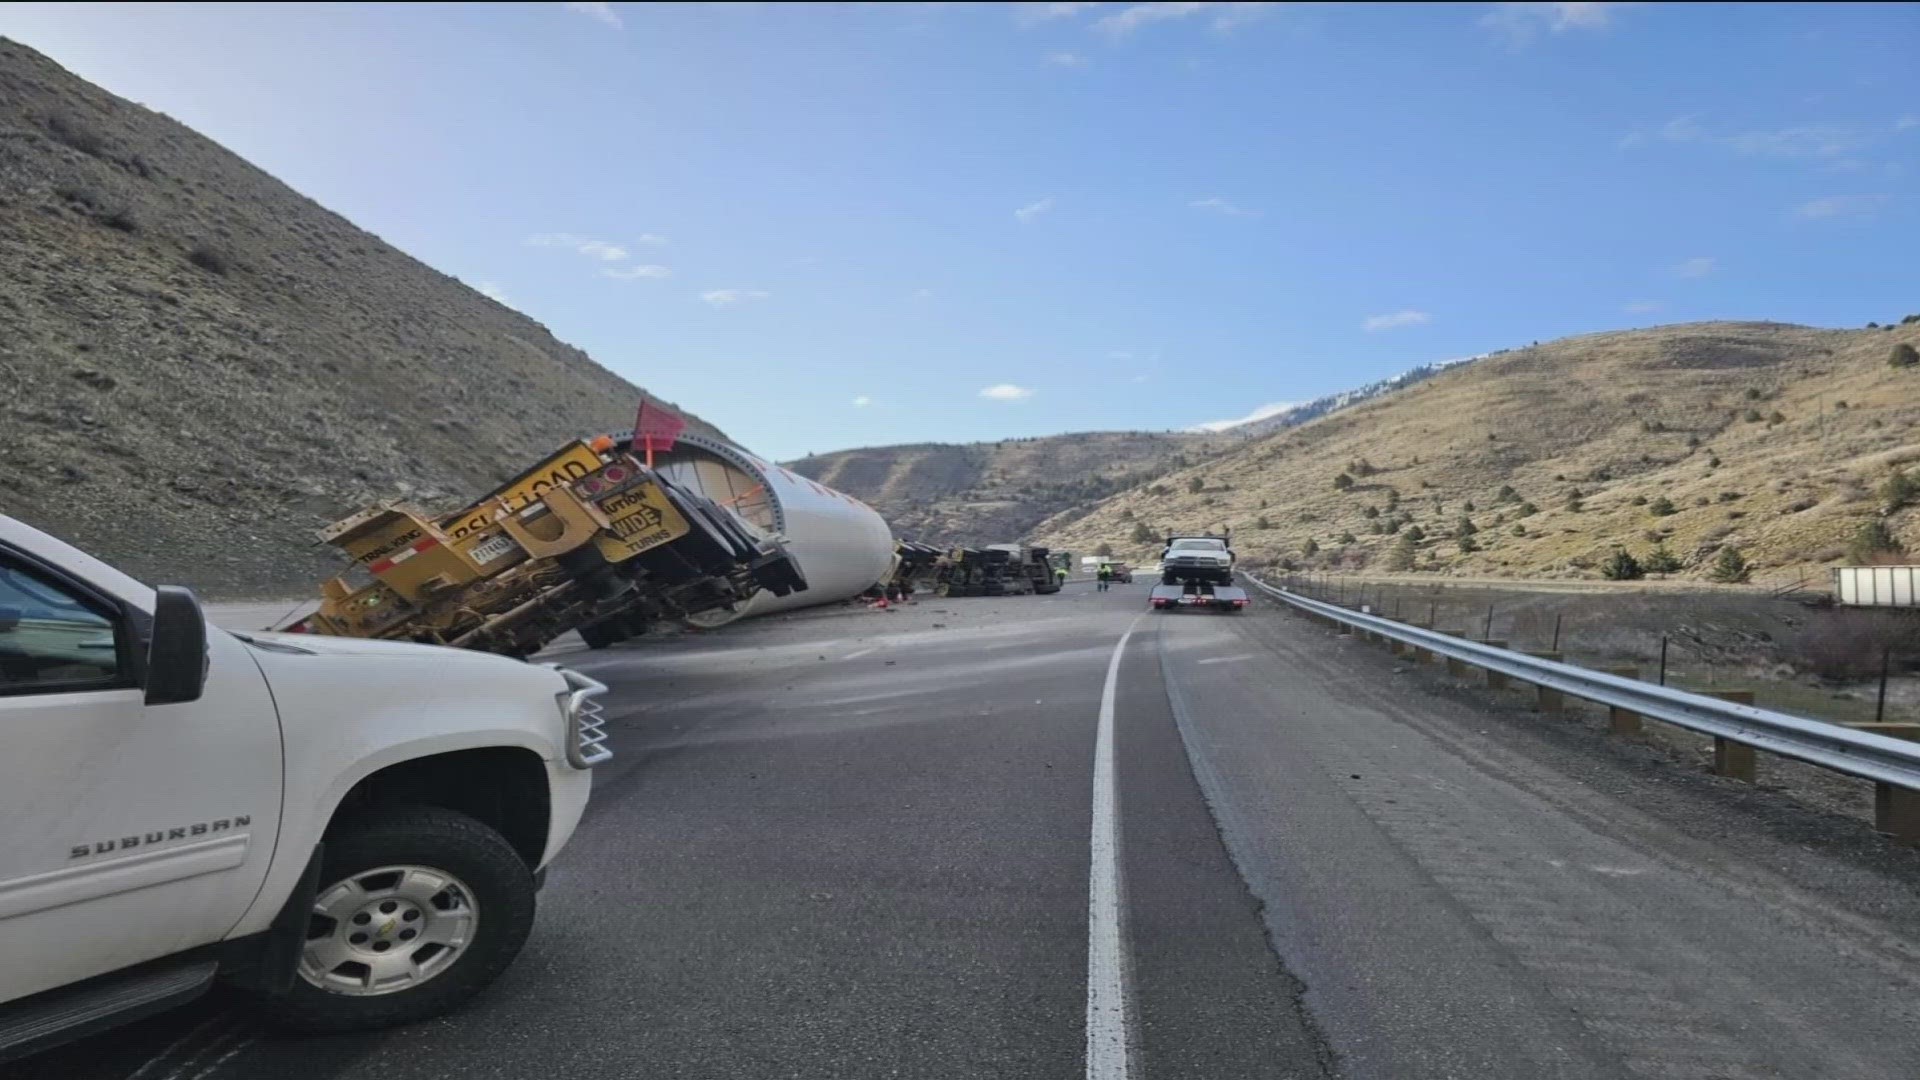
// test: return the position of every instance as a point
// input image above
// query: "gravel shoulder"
(1470, 889)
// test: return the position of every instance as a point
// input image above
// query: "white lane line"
(861, 653)
(149, 1064)
(200, 1053)
(1107, 991)
(224, 1058)
(1229, 659)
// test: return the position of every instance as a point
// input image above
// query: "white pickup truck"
(350, 832)
(1202, 558)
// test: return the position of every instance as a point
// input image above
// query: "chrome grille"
(586, 720)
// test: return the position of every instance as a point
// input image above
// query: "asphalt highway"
(977, 838)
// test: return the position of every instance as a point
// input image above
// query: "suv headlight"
(586, 726)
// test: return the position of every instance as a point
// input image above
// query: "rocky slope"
(1777, 441)
(987, 493)
(203, 365)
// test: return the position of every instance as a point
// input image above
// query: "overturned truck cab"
(589, 540)
(842, 546)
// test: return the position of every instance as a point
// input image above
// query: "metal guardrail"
(1886, 761)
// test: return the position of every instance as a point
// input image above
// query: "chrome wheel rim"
(388, 929)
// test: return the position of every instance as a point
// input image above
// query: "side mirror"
(177, 651)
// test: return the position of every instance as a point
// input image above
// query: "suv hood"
(328, 645)
(349, 706)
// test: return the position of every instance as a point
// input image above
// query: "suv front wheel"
(418, 910)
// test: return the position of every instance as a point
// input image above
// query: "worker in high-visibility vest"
(1060, 574)
(1105, 576)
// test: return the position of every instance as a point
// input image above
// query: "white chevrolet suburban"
(349, 832)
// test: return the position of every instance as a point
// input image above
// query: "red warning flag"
(656, 428)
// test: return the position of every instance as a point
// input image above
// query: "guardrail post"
(1896, 812)
(1495, 680)
(1623, 721)
(1731, 758)
(1422, 654)
(1880, 703)
(1456, 667)
(1549, 700)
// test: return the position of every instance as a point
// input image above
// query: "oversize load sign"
(524, 490)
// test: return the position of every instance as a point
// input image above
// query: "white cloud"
(1139, 378)
(1134, 16)
(1006, 392)
(923, 294)
(1682, 129)
(862, 401)
(1232, 15)
(1033, 210)
(604, 250)
(1697, 267)
(1840, 146)
(1395, 320)
(648, 271)
(725, 298)
(595, 10)
(1068, 60)
(647, 239)
(1836, 206)
(1520, 24)
(1274, 408)
(1222, 206)
(1833, 142)
(1223, 17)
(493, 291)
(1644, 307)
(1818, 140)
(1034, 13)
(1119, 354)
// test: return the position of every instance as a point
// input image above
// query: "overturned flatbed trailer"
(914, 565)
(589, 539)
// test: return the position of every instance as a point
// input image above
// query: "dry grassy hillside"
(995, 492)
(202, 365)
(1775, 440)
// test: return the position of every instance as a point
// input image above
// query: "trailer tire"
(601, 634)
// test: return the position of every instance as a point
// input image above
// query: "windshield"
(1122, 540)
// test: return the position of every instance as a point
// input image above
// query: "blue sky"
(830, 226)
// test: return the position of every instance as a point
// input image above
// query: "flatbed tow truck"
(1229, 598)
(1197, 572)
